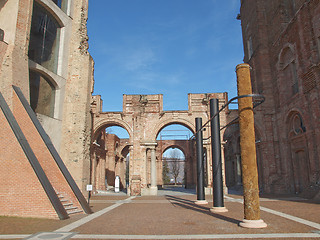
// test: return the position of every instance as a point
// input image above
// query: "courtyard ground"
(172, 215)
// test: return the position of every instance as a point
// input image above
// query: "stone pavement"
(173, 215)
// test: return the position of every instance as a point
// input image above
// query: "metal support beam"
(218, 203)
(200, 167)
(43, 179)
(84, 204)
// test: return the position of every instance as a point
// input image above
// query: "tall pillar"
(93, 170)
(218, 199)
(248, 151)
(238, 170)
(130, 166)
(223, 162)
(145, 172)
(153, 188)
(200, 168)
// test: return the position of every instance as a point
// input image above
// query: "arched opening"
(300, 165)
(288, 81)
(42, 94)
(177, 154)
(44, 38)
(232, 155)
(173, 162)
(44, 53)
(110, 157)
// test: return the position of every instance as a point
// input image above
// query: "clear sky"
(169, 47)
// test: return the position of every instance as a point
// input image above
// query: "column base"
(153, 191)
(218, 209)
(201, 202)
(253, 223)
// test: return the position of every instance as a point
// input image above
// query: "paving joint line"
(281, 214)
(200, 236)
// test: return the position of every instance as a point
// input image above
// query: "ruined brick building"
(43, 52)
(281, 42)
(143, 118)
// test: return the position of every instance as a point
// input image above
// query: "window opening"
(44, 39)
(297, 124)
(42, 94)
(63, 4)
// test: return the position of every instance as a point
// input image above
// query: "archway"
(110, 158)
(173, 162)
(300, 173)
(174, 139)
(232, 155)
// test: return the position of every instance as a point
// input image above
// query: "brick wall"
(43, 155)
(283, 53)
(21, 193)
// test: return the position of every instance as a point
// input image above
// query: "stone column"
(238, 170)
(130, 166)
(145, 172)
(225, 188)
(153, 167)
(93, 171)
(248, 151)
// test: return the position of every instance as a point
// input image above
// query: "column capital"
(151, 145)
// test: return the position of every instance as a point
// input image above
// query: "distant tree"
(175, 170)
(165, 172)
(175, 165)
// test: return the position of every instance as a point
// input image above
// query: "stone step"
(70, 208)
(67, 204)
(74, 212)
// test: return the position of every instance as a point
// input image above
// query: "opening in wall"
(44, 38)
(63, 4)
(42, 94)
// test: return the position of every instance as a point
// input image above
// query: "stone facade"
(285, 61)
(143, 118)
(56, 78)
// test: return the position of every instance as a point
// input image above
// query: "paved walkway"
(173, 215)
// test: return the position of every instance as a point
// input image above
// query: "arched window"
(42, 94)
(44, 38)
(287, 65)
(296, 125)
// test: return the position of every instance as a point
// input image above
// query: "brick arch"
(298, 159)
(104, 123)
(291, 113)
(169, 122)
(286, 55)
(176, 145)
(45, 73)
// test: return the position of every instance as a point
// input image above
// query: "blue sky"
(169, 47)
